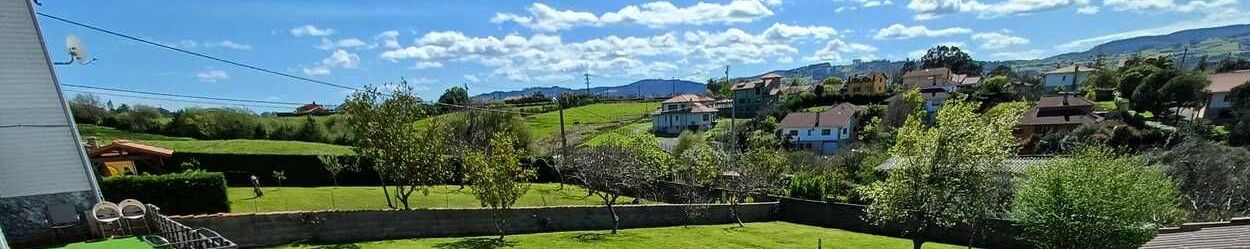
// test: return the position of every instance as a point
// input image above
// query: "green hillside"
(233, 146)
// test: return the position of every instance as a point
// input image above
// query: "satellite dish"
(77, 51)
(106, 212)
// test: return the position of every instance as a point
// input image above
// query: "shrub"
(811, 186)
(190, 192)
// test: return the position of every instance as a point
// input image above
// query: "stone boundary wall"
(851, 217)
(266, 229)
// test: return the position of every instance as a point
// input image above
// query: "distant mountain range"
(1214, 43)
(647, 88)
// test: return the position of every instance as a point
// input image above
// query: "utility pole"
(587, 75)
(1183, 55)
(564, 143)
(733, 113)
(673, 84)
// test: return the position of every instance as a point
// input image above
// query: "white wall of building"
(674, 122)
(39, 145)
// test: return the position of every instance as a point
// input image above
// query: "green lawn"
(356, 198)
(754, 235)
(642, 127)
(120, 243)
(1104, 105)
(595, 115)
(233, 146)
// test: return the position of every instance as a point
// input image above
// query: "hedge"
(306, 170)
(191, 192)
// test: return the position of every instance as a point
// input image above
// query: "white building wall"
(39, 146)
(675, 122)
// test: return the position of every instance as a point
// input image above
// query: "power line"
(182, 96)
(181, 100)
(201, 55)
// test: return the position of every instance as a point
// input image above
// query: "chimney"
(818, 119)
(93, 143)
(1076, 72)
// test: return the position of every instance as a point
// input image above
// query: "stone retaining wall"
(266, 229)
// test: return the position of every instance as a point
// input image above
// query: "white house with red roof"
(684, 112)
(823, 132)
(1218, 106)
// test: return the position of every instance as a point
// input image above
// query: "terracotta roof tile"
(1225, 82)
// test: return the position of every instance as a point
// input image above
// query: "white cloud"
(868, 3)
(229, 44)
(1088, 10)
(212, 76)
(840, 9)
(327, 44)
(427, 64)
(997, 40)
(317, 70)
(930, 9)
(1168, 5)
(657, 14)
(343, 59)
(310, 30)
(773, 2)
(541, 56)
(471, 78)
(834, 50)
(389, 38)
(1227, 17)
(186, 44)
(902, 32)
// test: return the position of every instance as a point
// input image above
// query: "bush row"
(190, 192)
(306, 170)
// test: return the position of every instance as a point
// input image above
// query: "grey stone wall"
(852, 217)
(25, 219)
(353, 226)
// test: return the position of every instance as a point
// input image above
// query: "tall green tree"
(410, 157)
(950, 57)
(1132, 77)
(311, 131)
(1239, 132)
(1094, 198)
(946, 174)
(993, 91)
(87, 109)
(497, 177)
(453, 96)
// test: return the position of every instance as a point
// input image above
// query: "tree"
(948, 174)
(497, 177)
(1229, 65)
(1164, 91)
(1212, 178)
(908, 66)
(279, 175)
(411, 157)
(1101, 79)
(311, 131)
(756, 172)
(1094, 198)
(687, 140)
(334, 166)
(608, 170)
(87, 110)
(993, 91)
(1132, 77)
(950, 57)
(1239, 132)
(1003, 70)
(453, 96)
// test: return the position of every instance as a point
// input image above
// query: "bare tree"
(609, 171)
(754, 173)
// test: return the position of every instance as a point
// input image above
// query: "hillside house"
(684, 112)
(1218, 106)
(1069, 78)
(967, 82)
(823, 132)
(870, 84)
(929, 79)
(123, 157)
(46, 181)
(752, 96)
(1054, 114)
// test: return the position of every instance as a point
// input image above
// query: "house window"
(824, 132)
(1064, 77)
(844, 130)
(707, 117)
(794, 133)
(809, 132)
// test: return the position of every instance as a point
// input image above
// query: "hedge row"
(306, 170)
(191, 192)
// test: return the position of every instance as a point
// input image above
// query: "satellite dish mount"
(77, 52)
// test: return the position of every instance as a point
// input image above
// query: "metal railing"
(170, 234)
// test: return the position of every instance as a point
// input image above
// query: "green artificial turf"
(233, 146)
(119, 243)
(242, 200)
(754, 235)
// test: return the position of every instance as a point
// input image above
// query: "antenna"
(77, 52)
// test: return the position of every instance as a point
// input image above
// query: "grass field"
(754, 235)
(366, 198)
(233, 146)
(604, 136)
(589, 116)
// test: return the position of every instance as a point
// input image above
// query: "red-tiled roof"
(1059, 101)
(131, 147)
(1204, 235)
(1225, 82)
(687, 98)
(927, 72)
(838, 115)
(1070, 69)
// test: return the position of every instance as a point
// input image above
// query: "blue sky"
(508, 45)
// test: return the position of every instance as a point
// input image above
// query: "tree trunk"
(917, 243)
(616, 220)
(499, 224)
(384, 191)
(733, 210)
